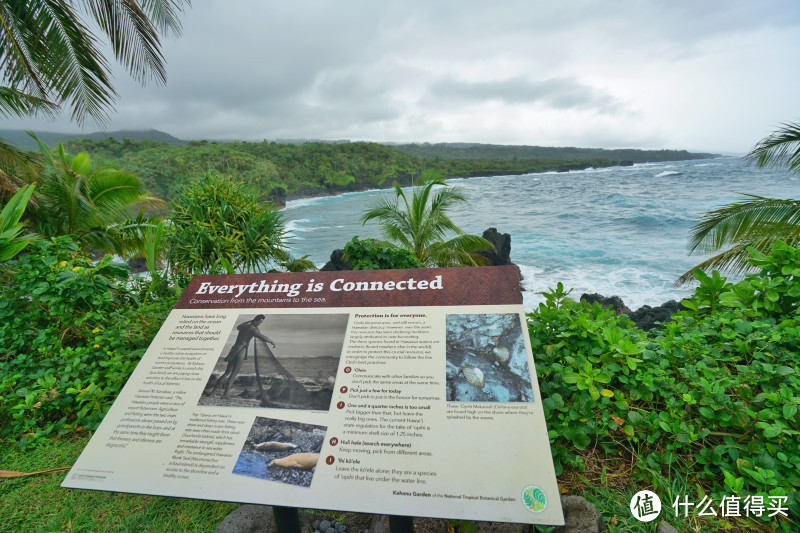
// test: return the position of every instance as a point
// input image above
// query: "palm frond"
(780, 149)
(164, 14)
(133, 38)
(16, 102)
(17, 167)
(746, 221)
(16, 63)
(48, 55)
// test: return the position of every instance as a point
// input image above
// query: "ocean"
(619, 231)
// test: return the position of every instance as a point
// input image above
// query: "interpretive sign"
(403, 392)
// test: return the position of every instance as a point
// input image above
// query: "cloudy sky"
(711, 75)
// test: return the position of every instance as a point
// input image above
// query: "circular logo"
(534, 499)
(645, 506)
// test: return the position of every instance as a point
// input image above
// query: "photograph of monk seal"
(281, 451)
(303, 461)
(274, 445)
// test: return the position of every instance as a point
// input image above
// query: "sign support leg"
(401, 524)
(287, 519)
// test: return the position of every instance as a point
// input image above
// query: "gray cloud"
(558, 93)
(711, 75)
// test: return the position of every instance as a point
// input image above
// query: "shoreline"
(405, 180)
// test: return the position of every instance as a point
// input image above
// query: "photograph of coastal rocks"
(486, 359)
(285, 361)
(281, 450)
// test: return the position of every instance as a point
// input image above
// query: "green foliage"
(717, 390)
(422, 224)
(71, 335)
(755, 222)
(774, 292)
(780, 149)
(217, 220)
(322, 168)
(100, 205)
(298, 264)
(369, 254)
(10, 229)
(50, 56)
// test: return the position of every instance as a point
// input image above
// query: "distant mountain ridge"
(21, 139)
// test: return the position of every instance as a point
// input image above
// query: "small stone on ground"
(580, 516)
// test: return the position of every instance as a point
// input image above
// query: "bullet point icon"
(347, 370)
(330, 459)
(340, 405)
(343, 390)
(334, 441)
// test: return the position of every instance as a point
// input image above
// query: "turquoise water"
(616, 231)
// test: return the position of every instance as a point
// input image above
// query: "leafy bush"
(714, 395)
(71, 335)
(218, 222)
(370, 254)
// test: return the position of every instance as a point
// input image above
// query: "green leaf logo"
(534, 499)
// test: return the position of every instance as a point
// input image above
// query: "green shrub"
(71, 336)
(218, 224)
(369, 254)
(714, 395)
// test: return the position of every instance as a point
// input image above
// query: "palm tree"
(49, 57)
(422, 225)
(756, 221)
(101, 206)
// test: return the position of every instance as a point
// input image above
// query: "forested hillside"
(496, 151)
(316, 168)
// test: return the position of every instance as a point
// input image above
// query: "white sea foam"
(295, 225)
(304, 202)
(619, 233)
(667, 173)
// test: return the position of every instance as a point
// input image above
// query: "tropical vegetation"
(755, 221)
(316, 168)
(101, 206)
(49, 56)
(421, 224)
(369, 254)
(706, 406)
(218, 225)
(11, 239)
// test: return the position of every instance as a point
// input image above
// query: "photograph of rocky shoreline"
(281, 450)
(486, 359)
(299, 372)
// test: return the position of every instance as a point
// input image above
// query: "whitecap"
(667, 173)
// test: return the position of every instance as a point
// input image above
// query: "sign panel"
(404, 392)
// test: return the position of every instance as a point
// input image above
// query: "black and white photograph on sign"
(282, 451)
(284, 361)
(486, 359)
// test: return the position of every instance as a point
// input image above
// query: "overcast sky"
(697, 75)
